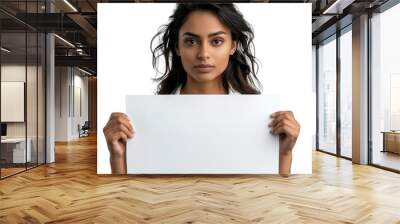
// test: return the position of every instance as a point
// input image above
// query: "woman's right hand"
(117, 131)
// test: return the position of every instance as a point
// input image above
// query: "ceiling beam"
(84, 24)
(85, 61)
(337, 6)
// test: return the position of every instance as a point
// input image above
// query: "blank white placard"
(202, 134)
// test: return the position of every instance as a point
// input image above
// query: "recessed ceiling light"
(84, 71)
(5, 50)
(64, 40)
(70, 5)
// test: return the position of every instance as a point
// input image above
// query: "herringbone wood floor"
(70, 191)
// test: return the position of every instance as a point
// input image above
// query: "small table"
(15, 148)
(391, 141)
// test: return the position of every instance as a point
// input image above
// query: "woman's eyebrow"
(209, 35)
(216, 33)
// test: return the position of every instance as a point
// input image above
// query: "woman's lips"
(204, 68)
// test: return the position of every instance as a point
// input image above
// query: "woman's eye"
(217, 42)
(190, 42)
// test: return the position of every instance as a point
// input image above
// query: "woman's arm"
(118, 164)
(285, 125)
(117, 131)
(285, 163)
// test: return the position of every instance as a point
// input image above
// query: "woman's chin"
(205, 77)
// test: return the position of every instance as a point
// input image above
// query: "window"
(385, 88)
(346, 93)
(327, 96)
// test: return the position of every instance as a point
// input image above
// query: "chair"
(84, 130)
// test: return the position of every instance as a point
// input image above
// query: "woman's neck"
(214, 87)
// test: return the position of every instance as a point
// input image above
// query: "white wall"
(80, 83)
(61, 103)
(70, 83)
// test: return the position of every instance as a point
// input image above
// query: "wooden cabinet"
(391, 142)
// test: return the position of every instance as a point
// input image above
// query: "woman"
(207, 49)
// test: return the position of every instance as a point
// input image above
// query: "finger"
(292, 125)
(118, 115)
(115, 115)
(275, 114)
(120, 136)
(121, 120)
(122, 128)
(115, 136)
(114, 126)
(279, 119)
(286, 118)
(284, 121)
(284, 129)
(111, 131)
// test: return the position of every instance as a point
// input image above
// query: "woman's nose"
(204, 52)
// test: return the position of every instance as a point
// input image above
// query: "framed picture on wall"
(12, 101)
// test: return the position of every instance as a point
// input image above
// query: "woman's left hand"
(285, 125)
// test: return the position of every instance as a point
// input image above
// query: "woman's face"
(204, 46)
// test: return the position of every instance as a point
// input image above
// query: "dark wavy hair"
(240, 73)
